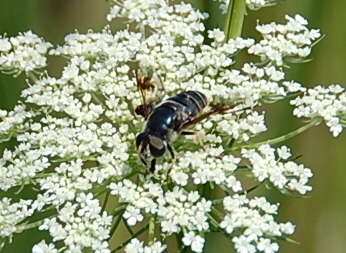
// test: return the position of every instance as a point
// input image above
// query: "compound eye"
(157, 152)
(141, 139)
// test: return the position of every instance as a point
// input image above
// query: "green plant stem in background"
(282, 138)
(139, 232)
(127, 226)
(151, 232)
(24, 227)
(235, 18)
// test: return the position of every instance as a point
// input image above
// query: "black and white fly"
(166, 122)
(168, 119)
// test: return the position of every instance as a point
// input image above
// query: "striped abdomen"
(175, 112)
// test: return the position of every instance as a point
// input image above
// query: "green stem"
(213, 221)
(105, 201)
(178, 238)
(217, 212)
(96, 98)
(217, 201)
(129, 229)
(235, 18)
(122, 245)
(115, 226)
(282, 138)
(67, 159)
(151, 229)
(24, 227)
(119, 210)
(32, 77)
(251, 189)
(6, 138)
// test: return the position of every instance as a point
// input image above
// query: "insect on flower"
(144, 84)
(166, 121)
(169, 119)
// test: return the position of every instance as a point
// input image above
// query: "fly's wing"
(216, 109)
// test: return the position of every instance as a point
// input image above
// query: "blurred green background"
(320, 218)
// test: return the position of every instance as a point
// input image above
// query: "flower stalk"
(129, 229)
(151, 232)
(279, 139)
(116, 224)
(139, 232)
(24, 227)
(235, 18)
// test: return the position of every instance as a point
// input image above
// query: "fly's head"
(150, 146)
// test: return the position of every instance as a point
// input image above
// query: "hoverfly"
(169, 119)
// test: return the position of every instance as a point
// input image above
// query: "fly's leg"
(171, 151)
(199, 136)
(152, 166)
(188, 133)
(143, 161)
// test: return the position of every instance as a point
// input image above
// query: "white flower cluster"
(329, 103)
(258, 4)
(56, 139)
(107, 51)
(25, 52)
(60, 94)
(20, 165)
(211, 69)
(179, 209)
(196, 242)
(81, 225)
(136, 246)
(254, 219)
(176, 210)
(179, 20)
(251, 4)
(205, 166)
(139, 198)
(76, 132)
(240, 128)
(223, 5)
(12, 214)
(279, 42)
(13, 122)
(64, 185)
(252, 85)
(274, 164)
(43, 247)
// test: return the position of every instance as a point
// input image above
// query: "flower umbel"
(76, 133)
(25, 52)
